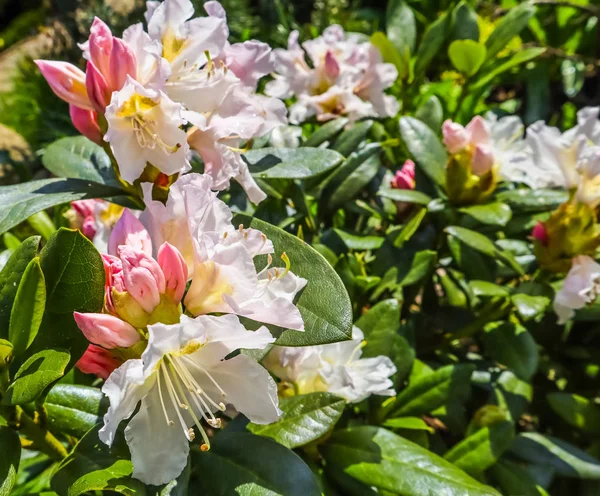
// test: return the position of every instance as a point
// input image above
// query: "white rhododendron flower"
(337, 368)
(144, 126)
(581, 286)
(347, 77)
(182, 379)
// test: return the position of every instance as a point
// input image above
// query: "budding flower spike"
(405, 177)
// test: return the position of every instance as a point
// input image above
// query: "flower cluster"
(347, 77)
(139, 91)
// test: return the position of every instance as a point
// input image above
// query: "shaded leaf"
(291, 163)
(425, 147)
(577, 411)
(10, 455)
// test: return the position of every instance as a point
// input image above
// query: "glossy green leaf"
(74, 409)
(467, 56)
(425, 147)
(485, 288)
(392, 55)
(409, 423)
(487, 75)
(357, 242)
(527, 200)
(28, 310)
(431, 391)
(401, 27)
(348, 141)
(10, 278)
(566, 460)
(305, 418)
(577, 411)
(35, 375)
(93, 466)
(326, 132)
(291, 163)
(432, 42)
(355, 180)
(410, 228)
(482, 449)
(245, 464)
(530, 306)
(495, 214)
(513, 346)
(405, 195)
(431, 113)
(323, 303)
(21, 201)
(42, 223)
(381, 459)
(464, 23)
(10, 455)
(11, 242)
(509, 27)
(513, 478)
(77, 157)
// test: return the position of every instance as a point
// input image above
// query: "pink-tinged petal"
(131, 232)
(456, 137)
(249, 61)
(97, 361)
(174, 269)
(332, 67)
(483, 160)
(86, 122)
(122, 64)
(67, 82)
(540, 234)
(100, 45)
(144, 279)
(405, 177)
(84, 208)
(105, 330)
(478, 131)
(97, 88)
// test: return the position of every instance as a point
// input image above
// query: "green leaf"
(515, 479)
(485, 288)
(401, 26)
(503, 65)
(431, 113)
(21, 201)
(482, 449)
(577, 411)
(356, 242)
(10, 278)
(11, 242)
(79, 158)
(10, 455)
(484, 245)
(74, 409)
(28, 310)
(494, 214)
(245, 464)
(324, 302)
(530, 306)
(512, 345)
(425, 147)
(392, 55)
(509, 27)
(434, 38)
(379, 458)
(464, 23)
(349, 140)
(467, 56)
(291, 163)
(42, 223)
(35, 375)
(93, 466)
(566, 459)
(410, 228)
(354, 180)
(432, 391)
(573, 76)
(326, 132)
(305, 418)
(533, 200)
(405, 195)
(409, 423)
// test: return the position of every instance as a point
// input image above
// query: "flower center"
(177, 385)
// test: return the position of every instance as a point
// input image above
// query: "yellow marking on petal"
(172, 45)
(137, 104)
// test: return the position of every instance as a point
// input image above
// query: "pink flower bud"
(113, 271)
(67, 82)
(174, 269)
(405, 177)
(86, 122)
(540, 234)
(478, 131)
(483, 160)
(456, 137)
(131, 232)
(332, 68)
(100, 45)
(122, 64)
(105, 330)
(97, 88)
(97, 361)
(144, 279)
(85, 208)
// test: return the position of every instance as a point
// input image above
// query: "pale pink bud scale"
(106, 330)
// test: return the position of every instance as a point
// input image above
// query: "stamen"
(202, 369)
(162, 403)
(359, 346)
(173, 396)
